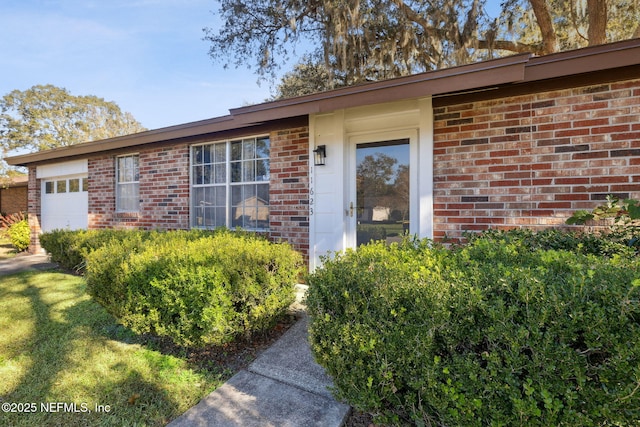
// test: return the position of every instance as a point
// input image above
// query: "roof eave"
(520, 68)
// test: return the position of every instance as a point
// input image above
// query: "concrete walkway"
(25, 262)
(284, 387)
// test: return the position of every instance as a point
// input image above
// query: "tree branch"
(537, 49)
(412, 15)
(543, 18)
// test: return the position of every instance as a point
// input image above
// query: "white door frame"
(380, 136)
(332, 186)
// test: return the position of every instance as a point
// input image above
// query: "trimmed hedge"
(492, 333)
(193, 287)
(69, 248)
(617, 241)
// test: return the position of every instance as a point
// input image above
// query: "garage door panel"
(65, 203)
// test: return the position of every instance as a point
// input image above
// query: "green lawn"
(61, 354)
(6, 248)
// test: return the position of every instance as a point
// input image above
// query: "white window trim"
(228, 185)
(118, 183)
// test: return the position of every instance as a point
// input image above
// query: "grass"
(59, 347)
(6, 248)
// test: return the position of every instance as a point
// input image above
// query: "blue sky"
(148, 56)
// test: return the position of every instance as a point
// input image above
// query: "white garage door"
(64, 203)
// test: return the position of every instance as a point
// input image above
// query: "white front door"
(382, 179)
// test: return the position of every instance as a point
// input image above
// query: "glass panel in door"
(382, 191)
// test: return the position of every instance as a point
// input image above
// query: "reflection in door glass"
(382, 191)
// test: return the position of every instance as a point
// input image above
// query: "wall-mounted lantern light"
(319, 155)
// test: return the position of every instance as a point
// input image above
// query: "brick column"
(289, 188)
(34, 211)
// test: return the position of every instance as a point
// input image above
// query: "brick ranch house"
(521, 141)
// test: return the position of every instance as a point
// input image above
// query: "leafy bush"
(624, 216)
(625, 211)
(193, 287)
(20, 235)
(492, 333)
(69, 248)
(601, 244)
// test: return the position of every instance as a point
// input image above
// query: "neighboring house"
(521, 141)
(13, 195)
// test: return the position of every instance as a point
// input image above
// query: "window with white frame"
(127, 183)
(230, 184)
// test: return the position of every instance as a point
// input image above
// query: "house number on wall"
(311, 194)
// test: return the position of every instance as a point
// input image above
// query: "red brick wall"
(289, 188)
(532, 160)
(164, 191)
(13, 199)
(165, 188)
(102, 200)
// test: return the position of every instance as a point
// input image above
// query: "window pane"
(221, 197)
(236, 195)
(248, 171)
(250, 206)
(263, 193)
(249, 194)
(128, 169)
(248, 149)
(122, 169)
(61, 186)
(262, 148)
(198, 206)
(74, 185)
(197, 154)
(236, 150)
(208, 206)
(236, 172)
(48, 187)
(206, 174)
(136, 168)
(85, 184)
(221, 217)
(220, 152)
(198, 175)
(221, 173)
(262, 170)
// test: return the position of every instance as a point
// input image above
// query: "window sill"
(127, 215)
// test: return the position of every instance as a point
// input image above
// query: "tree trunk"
(543, 18)
(597, 32)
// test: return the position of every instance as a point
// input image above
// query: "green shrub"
(492, 333)
(20, 235)
(69, 248)
(196, 288)
(624, 216)
(601, 244)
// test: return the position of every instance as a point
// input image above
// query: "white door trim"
(380, 136)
